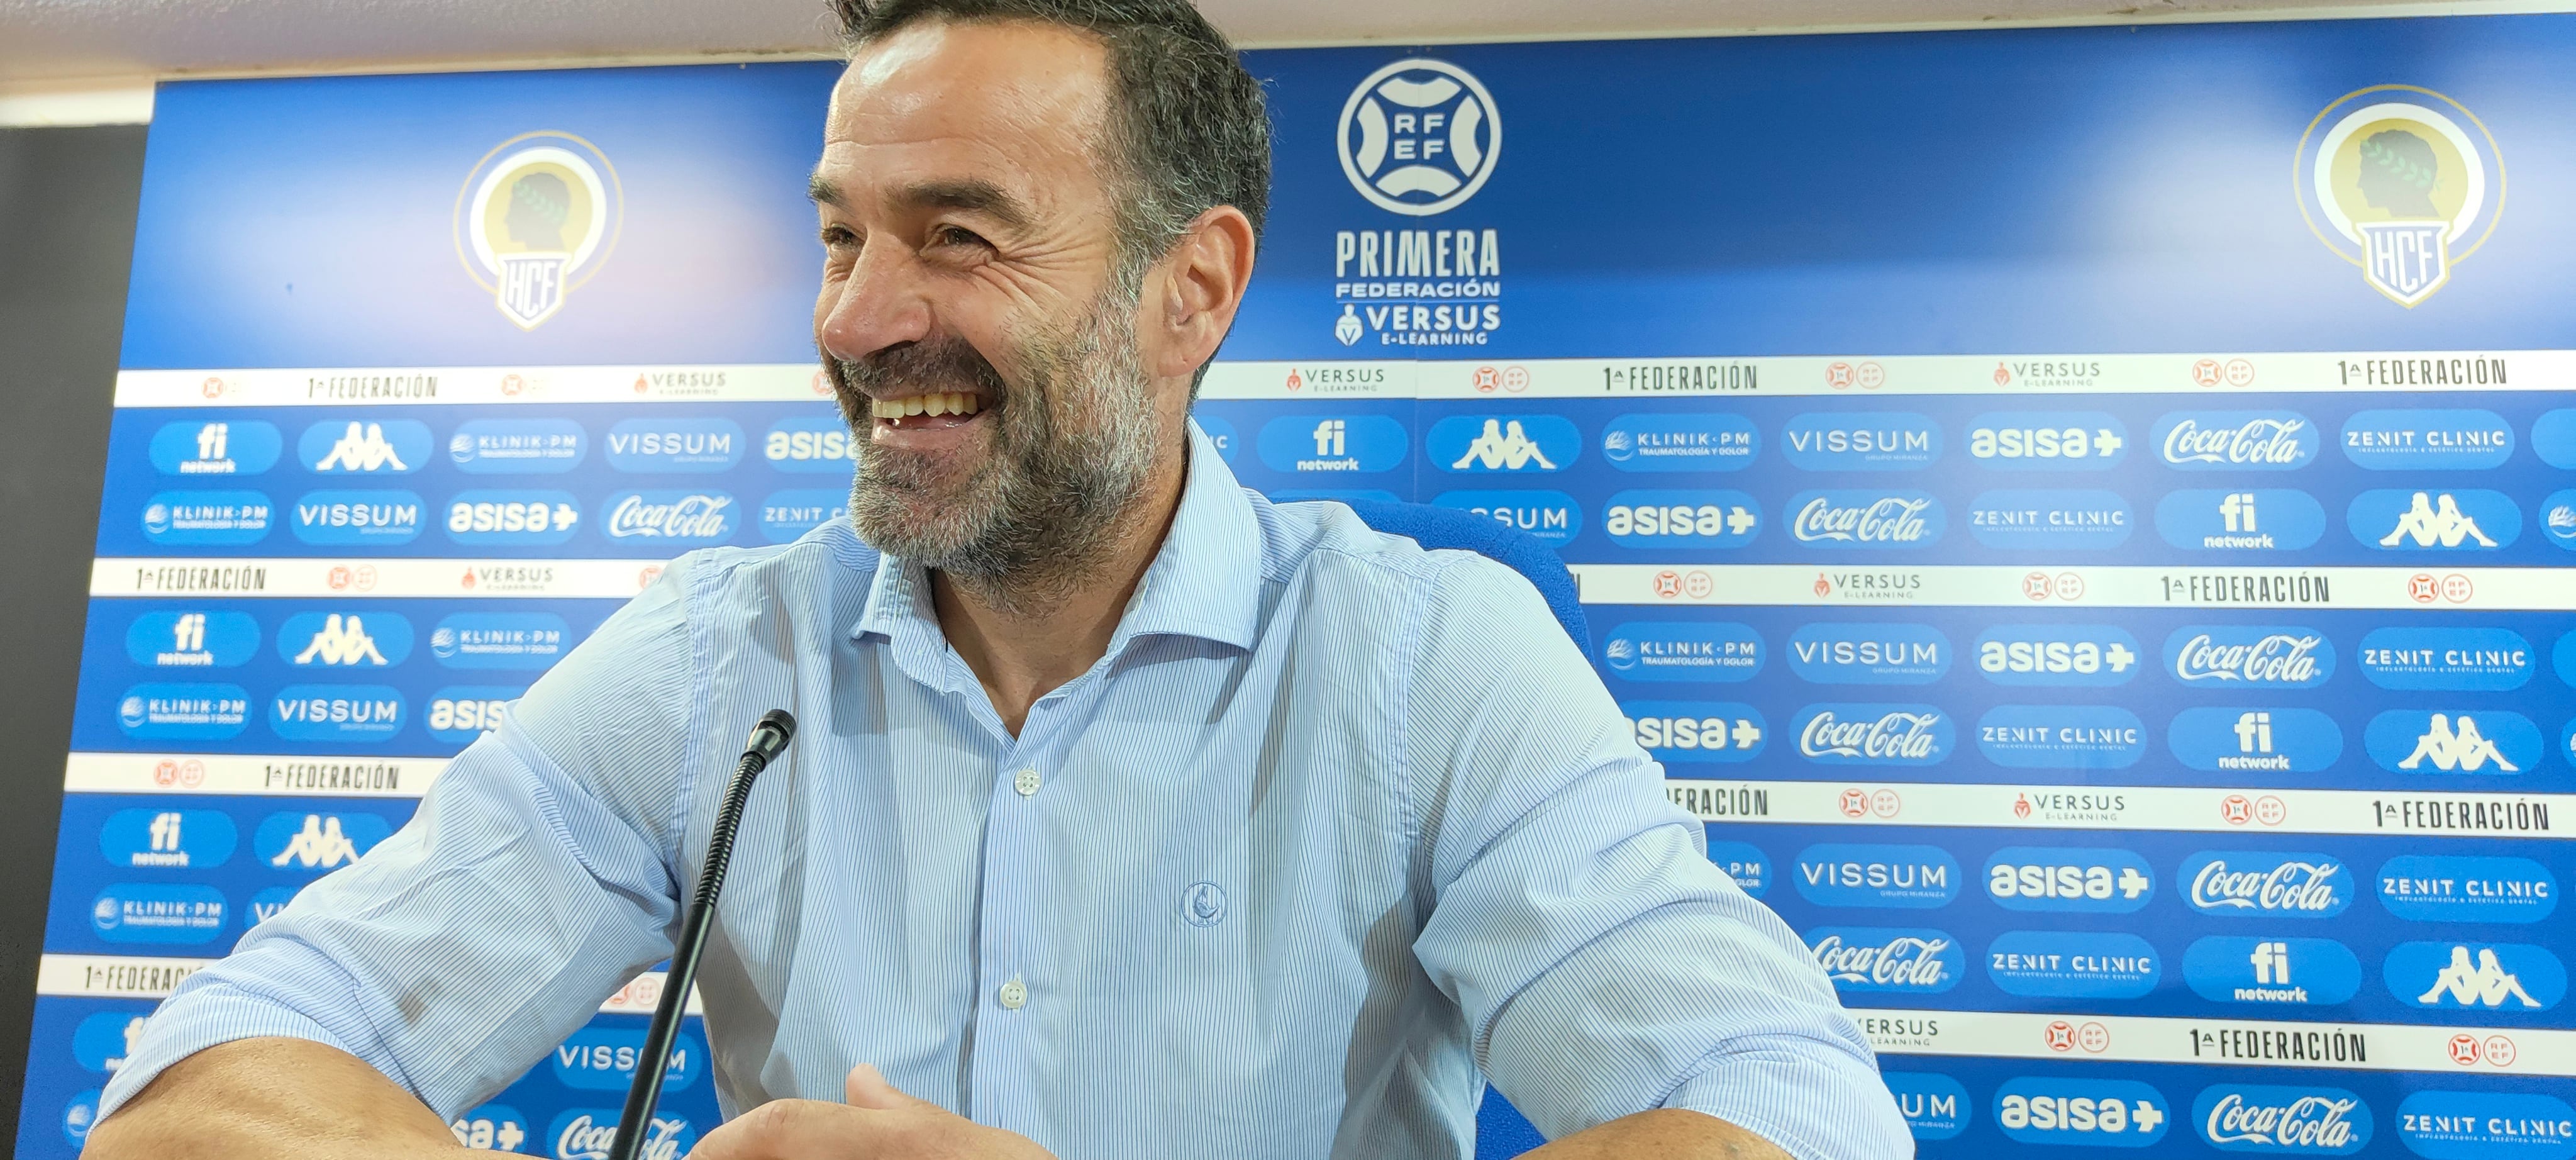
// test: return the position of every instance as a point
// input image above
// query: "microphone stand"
(768, 738)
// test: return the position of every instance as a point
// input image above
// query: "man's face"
(972, 312)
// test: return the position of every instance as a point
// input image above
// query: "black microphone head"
(777, 727)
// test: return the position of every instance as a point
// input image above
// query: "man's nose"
(881, 304)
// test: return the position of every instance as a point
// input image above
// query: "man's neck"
(1022, 649)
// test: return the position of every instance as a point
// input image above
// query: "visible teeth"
(936, 403)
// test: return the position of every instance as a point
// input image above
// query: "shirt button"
(1015, 995)
(1026, 781)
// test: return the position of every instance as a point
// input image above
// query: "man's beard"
(1071, 449)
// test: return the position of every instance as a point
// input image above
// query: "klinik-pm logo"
(2401, 181)
(535, 218)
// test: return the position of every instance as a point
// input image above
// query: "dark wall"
(67, 199)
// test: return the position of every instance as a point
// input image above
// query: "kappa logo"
(535, 219)
(2465, 520)
(2389, 179)
(1419, 137)
(2454, 740)
(354, 448)
(2478, 979)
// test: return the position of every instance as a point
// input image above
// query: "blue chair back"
(1501, 1131)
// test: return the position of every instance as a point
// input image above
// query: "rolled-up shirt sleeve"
(534, 880)
(1605, 965)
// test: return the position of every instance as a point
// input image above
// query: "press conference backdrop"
(2079, 514)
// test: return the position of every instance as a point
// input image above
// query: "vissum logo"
(663, 444)
(1656, 518)
(2055, 964)
(2249, 656)
(2491, 660)
(1882, 959)
(1721, 651)
(604, 1059)
(1552, 516)
(2271, 969)
(1697, 730)
(2047, 440)
(1869, 653)
(2453, 740)
(1875, 875)
(1853, 734)
(2467, 888)
(2236, 440)
(2221, 739)
(2070, 878)
(514, 446)
(1935, 1106)
(1861, 441)
(1846, 519)
(2061, 736)
(377, 518)
(2290, 1121)
(1701, 442)
(2508, 978)
(215, 447)
(2427, 440)
(2093, 655)
(2252, 884)
(387, 447)
(360, 714)
(2107, 1113)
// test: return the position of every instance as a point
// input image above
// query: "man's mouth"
(936, 409)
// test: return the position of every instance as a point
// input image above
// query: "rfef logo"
(215, 447)
(2104, 1113)
(2408, 520)
(2467, 888)
(1551, 516)
(2286, 1121)
(1883, 959)
(2271, 968)
(2089, 655)
(1656, 518)
(2222, 656)
(386, 447)
(2240, 520)
(2061, 736)
(1419, 136)
(1697, 730)
(2254, 884)
(2047, 440)
(1853, 653)
(1862, 519)
(1701, 442)
(513, 446)
(2509, 978)
(2072, 520)
(2453, 740)
(1853, 734)
(2236, 440)
(2487, 660)
(1503, 443)
(2236, 739)
(2445, 1125)
(1876, 875)
(2062, 964)
(1709, 650)
(2083, 879)
(1860, 441)
(2427, 440)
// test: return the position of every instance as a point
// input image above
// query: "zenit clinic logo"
(534, 220)
(2389, 179)
(1419, 136)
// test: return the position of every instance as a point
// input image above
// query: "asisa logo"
(2105, 1113)
(679, 518)
(158, 912)
(215, 447)
(587, 1133)
(1419, 137)
(342, 713)
(2453, 740)
(183, 712)
(1697, 730)
(2464, 888)
(602, 1059)
(536, 218)
(2061, 736)
(1552, 516)
(388, 447)
(1480, 444)
(349, 639)
(500, 640)
(2282, 1121)
(2427, 440)
(461, 714)
(2250, 520)
(1701, 442)
(1312, 444)
(2230, 739)
(2054, 964)
(787, 515)
(1934, 1105)
(173, 838)
(2401, 181)
(675, 444)
(1843, 519)
(2492, 660)
(517, 446)
(1847, 734)
(317, 842)
(189, 639)
(2250, 884)
(2047, 441)
(1667, 650)
(2271, 969)
(206, 518)
(2090, 655)
(2465, 520)
(2445, 1125)
(2082, 879)
(376, 518)
(1860, 441)
(490, 1128)
(1882, 959)
(1861, 874)
(2236, 440)
(1681, 519)
(820, 444)
(1840, 653)
(2475, 976)
(2067, 519)
(2249, 656)
(529, 518)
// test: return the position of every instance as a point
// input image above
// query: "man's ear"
(1195, 291)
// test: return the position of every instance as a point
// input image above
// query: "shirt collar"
(1205, 580)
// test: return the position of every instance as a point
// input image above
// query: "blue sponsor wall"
(2078, 513)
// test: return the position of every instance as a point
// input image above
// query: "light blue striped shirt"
(1336, 825)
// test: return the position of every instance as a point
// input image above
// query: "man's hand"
(877, 1123)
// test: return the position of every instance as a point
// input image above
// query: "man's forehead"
(963, 92)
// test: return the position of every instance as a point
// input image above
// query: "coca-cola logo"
(2259, 658)
(1875, 734)
(584, 1134)
(1857, 519)
(1875, 959)
(2257, 440)
(2291, 885)
(2301, 1121)
(692, 517)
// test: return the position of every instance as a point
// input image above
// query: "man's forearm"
(1663, 1134)
(288, 1099)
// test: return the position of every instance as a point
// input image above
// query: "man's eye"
(838, 237)
(957, 236)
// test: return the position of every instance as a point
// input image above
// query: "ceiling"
(75, 44)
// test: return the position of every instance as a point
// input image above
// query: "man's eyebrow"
(824, 190)
(972, 195)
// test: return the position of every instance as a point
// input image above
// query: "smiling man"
(1134, 815)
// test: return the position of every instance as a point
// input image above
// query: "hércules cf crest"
(2401, 181)
(535, 218)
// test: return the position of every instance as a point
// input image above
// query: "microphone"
(768, 739)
